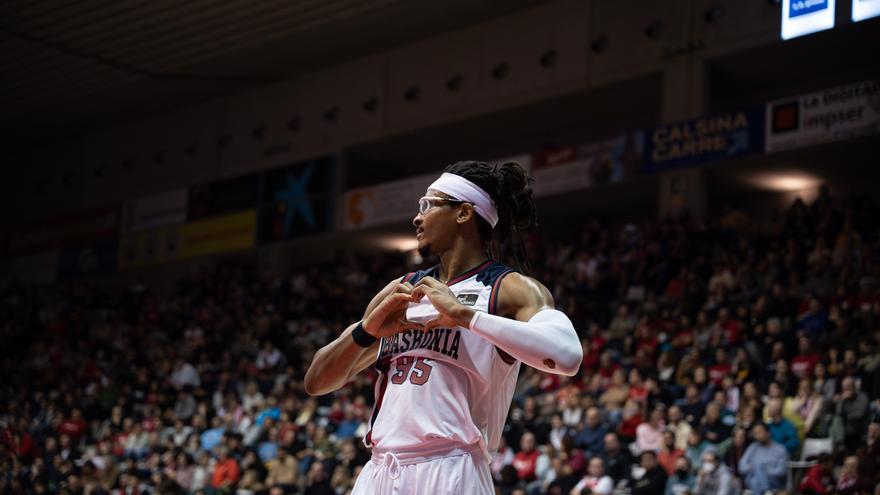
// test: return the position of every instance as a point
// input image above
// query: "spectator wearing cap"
(765, 462)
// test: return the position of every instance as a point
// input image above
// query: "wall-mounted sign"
(865, 9)
(801, 17)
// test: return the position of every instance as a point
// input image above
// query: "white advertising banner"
(384, 203)
(843, 112)
(801, 17)
(395, 201)
(157, 210)
(865, 9)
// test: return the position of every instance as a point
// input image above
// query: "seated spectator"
(691, 405)
(596, 481)
(590, 437)
(852, 409)
(615, 458)
(733, 450)
(804, 408)
(819, 479)
(669, 453)
(681, 480)
(184, 374)
(712, 427)
(765, 463)
(526, 460)
(695, 447)
(651, 478)
(714, 477)
(631, 418)
(226, 471)
(316, 481)
(851, 481)
(781, 429)
(649, 435)
(803, 364)
(675, 422)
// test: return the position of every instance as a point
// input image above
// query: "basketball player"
(448, 340)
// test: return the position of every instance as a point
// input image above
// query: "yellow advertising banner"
(226, 233)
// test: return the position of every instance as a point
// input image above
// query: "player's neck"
(459, 259)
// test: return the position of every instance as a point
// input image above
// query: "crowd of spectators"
(714, 354)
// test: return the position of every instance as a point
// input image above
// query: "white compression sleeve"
(547, 341)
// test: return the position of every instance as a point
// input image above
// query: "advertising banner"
(865, 9)
(578, 167)
(223, 234)
(35, 269)
(297, 200)
(96, 258)
(843, 112)
(224, 196)
(157, 210)
(88, 225)
(384, 203)
(801, 17)
(226, 233)
(705, 139)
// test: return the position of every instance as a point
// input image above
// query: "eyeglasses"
(428, 202)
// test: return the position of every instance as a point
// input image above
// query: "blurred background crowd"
(717, 358)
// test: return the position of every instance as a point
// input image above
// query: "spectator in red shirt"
(669, 453)
(819, 479)
(721, 368)
(526, 460)
(75, 426)
(804, 362)
(226, 471)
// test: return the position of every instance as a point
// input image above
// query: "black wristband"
(361, 337)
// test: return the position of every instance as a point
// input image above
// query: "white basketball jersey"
(446, 387)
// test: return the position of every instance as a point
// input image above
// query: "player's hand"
(452, 312)
(389, 317)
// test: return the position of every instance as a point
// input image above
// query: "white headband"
(462, 189)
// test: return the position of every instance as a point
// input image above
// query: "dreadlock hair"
(510, 188)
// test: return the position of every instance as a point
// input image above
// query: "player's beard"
(425, 250)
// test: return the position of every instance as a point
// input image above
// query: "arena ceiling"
(73, 65)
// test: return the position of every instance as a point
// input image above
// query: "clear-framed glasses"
(428, 202)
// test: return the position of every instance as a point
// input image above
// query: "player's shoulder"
(519, 288)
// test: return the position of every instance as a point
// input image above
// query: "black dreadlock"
(510, 187)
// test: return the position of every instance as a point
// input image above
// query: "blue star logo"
(296, 198)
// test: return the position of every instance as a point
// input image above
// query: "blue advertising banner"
(296, 200)
(96, 258)
(705, 139)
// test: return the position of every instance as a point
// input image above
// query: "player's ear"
(465, 212)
